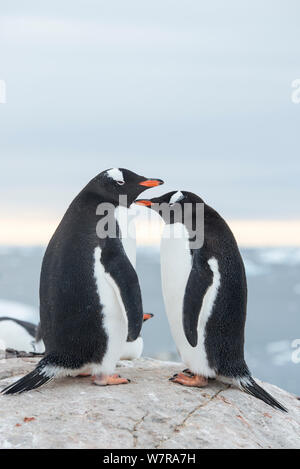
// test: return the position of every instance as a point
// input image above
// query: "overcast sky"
(197, 93)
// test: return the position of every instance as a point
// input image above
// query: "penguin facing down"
(90, 299)
(133, 350)
(205, 293)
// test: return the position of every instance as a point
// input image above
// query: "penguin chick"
(205, 293)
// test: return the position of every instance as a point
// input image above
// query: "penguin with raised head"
(133, 350)
(90, 299)
(205, 293)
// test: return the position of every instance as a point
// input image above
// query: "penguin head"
(170, 206)
(121, 186)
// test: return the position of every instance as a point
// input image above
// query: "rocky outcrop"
(150, 412)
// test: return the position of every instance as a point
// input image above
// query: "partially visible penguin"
(134, 349)
(18, 335)
(205, 294)
(90, 299)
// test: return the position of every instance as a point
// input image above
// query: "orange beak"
(151, 183)
(147, 316)
(144, 203)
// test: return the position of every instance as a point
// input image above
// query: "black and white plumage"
(17, 334)
(133, 350)
(205, 294)
(90, 299)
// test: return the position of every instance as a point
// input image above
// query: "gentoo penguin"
(17, 334)
(131, 350)
(134, 349)
(90, 299)
(205, 293)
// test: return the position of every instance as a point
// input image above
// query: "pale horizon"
(248, 232)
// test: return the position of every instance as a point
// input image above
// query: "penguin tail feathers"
(250, 386)
(36, 378)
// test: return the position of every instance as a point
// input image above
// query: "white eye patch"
(116, 175)
(176, 198)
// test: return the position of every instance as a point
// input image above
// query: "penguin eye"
(121, 183)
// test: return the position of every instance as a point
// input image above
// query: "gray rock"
(150, 412)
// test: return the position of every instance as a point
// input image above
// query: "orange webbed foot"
(186, 371)
(197, 381)
(106, 380)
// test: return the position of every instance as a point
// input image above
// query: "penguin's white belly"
(39, 347)
(176, 263)
(126, 223)
(124, 217)
(115, 320)
(133, 350)
(15, 336)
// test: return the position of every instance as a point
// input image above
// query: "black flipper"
(33, 380)
(120, 269)
(251, 387)
(200, 279)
